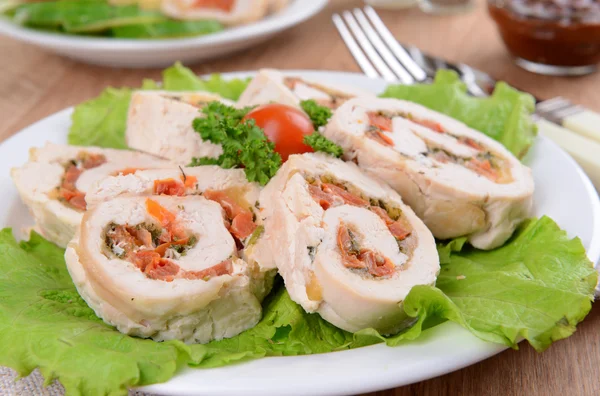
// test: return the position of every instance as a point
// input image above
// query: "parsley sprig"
(319, 142)
(319, 115)
(244, 144)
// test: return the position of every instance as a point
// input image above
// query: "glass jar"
(556, 37)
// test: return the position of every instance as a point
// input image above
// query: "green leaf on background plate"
(102, 121)
(505, 116)
(167, 29)
(538, 286)
(83, 16)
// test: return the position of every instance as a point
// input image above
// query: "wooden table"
(34, 84)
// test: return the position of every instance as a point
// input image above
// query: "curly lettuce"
(538, 286)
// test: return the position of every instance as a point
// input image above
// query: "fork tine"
(373, 56)
(553, 104)
(404, 76)
(468, 76)
(400, 52)
(353, 47)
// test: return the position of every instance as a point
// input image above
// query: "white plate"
(563, 192)
(164, 52)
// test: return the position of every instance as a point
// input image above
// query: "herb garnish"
(319, 115)
(244, 144)
(320, 143)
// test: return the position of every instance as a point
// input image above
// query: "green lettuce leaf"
(505, 116)
(166, 29)
(83, 16)
(102, 121)
(44, 323)
(538, 286)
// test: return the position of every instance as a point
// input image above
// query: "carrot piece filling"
(169, 187)
(67, 191)
(359, 258)
(240, 220)
(399, 230)
(223, 5)
(380, 121)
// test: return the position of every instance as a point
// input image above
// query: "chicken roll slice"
(160, 123)
(345, 244)
(228, 187)
(163, 267)
(228, 12)
(458, 180)
(54, 182)
(273, 86)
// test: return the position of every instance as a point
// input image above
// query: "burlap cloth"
(33, 385)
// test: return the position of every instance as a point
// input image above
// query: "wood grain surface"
(35, 83)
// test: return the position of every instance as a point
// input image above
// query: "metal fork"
(557, 109)
(379, 54)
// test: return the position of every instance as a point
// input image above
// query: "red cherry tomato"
(285, 126)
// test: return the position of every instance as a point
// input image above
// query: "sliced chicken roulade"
(273, 86)
(458, 180)
(228, 12)
(345, 244)
(160, 123)
(163, 267)
(228, 187)
(55, 180)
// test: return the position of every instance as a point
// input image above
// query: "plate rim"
(296, 13)
(485, 349)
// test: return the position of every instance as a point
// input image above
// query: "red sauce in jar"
(550, 32)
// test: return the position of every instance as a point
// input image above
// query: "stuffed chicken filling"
(329, 193)
(153, 247)
(67, 191)
(239, 219)
(485, 162)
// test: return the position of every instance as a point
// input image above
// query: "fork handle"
(586, 123)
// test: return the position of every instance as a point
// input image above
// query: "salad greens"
(504, 116)
(98, 17)
(538, 286)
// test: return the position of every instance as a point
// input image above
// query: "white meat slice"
(141, 183)
(271, 85)
(303, 238)
(190, 310)
(452, 199)
(39, 179)
(160, 123)
(241, 12)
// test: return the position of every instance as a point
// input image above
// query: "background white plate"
(563, 192)
(164, 52)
